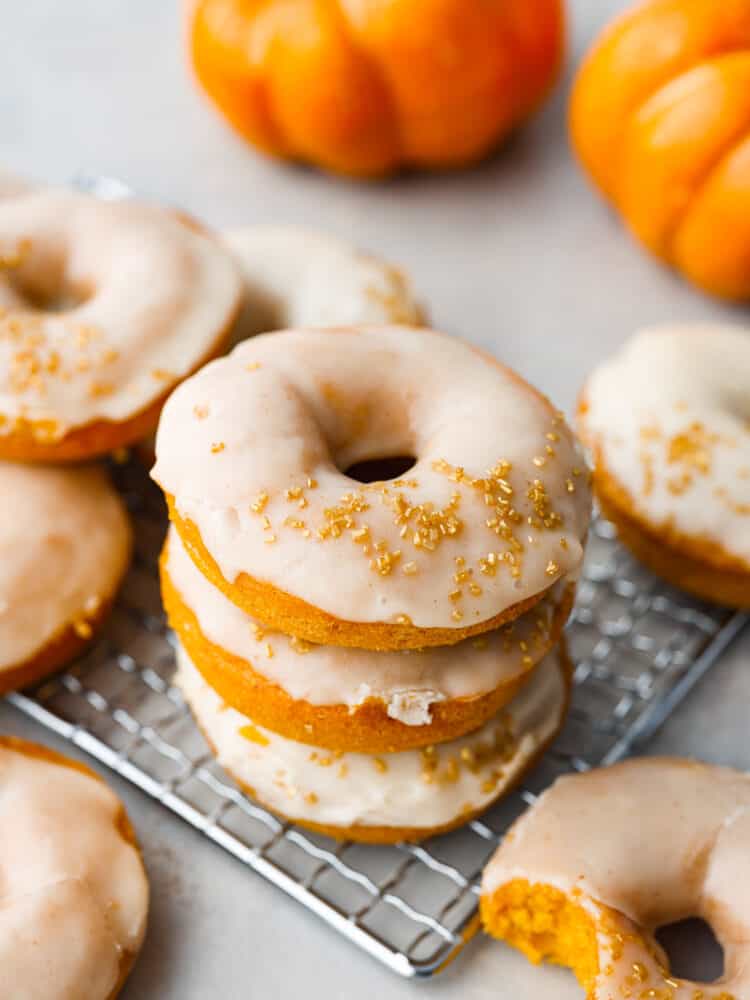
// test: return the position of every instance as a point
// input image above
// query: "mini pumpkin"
(660, 117)
(363, 87)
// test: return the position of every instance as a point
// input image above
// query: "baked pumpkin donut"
(668, 422)
(603, 859)
(74, 891)
(65, 543)
(300, 277)
(104, 308)
(383, 799)
(266, 458)
(297, 277)
(351, 699)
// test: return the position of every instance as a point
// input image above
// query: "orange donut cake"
(104, 308)
(603, 859)
(65, 544)
(264, 458)
(74, 896)
(668, 422)
(350, 699)
(392, 797)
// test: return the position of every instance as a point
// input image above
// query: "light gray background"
(517, 255)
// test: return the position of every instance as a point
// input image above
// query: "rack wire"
(639, 648)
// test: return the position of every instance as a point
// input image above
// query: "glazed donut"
(104, 308)
(298, 277)
(74, 897)
(390, 798)
(668, 422)
(65, 543)
(343, 699)
(603, 859)
(254, 452)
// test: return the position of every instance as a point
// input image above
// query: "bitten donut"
(343, 699)
(393, 797)
(74, 896)
(298, 277)
(266, 458)
(668, 422)
(605, 858)
(65, 542)
(104, 308)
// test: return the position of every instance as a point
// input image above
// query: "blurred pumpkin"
(364, 87)
(660, 116)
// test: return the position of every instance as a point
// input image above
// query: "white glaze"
(287, 406)
(656, 840)
(64, 546)
(408, 682)
(300, 277)
(390, 790)
(73, 892)
(669, 417)
(156, 295)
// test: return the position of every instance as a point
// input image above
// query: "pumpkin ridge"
(622, 23)
(723, 153)
(374, 69)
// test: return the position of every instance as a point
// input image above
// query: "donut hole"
(44, 284)
(380, 470)
(693, 951)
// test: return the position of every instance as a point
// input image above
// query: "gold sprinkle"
(82, 629)
(269, 540)
(100, 389)
(410, 569)
(162, 375)
(259, 504)
(380, 764)
(269, 650)
(457, 615)
(253, 366)
(300, 645)
(251, 733)
(200, 412)
(312, 798)
(552, 568)
(217, 447)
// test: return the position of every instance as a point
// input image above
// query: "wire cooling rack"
(639, 648)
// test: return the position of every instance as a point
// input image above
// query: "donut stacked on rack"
(374, 542)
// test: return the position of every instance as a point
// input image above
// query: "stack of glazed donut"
(375, 534)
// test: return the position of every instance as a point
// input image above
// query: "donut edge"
(122, 824)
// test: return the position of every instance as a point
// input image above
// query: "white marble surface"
(516, 255)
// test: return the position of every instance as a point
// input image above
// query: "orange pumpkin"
(660, 116)
(363, 87)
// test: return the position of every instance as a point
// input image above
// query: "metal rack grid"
(639, 648)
